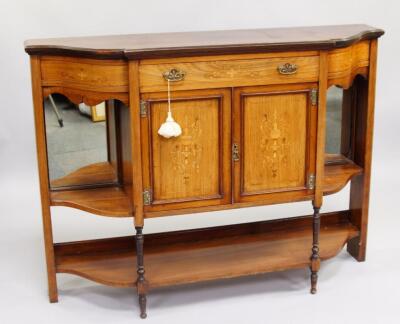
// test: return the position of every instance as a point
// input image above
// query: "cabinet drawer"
(85, 74)
(231, 73)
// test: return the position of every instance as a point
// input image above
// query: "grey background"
(350, 292)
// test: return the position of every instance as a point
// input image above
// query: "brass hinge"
(143, 108)
(311, 181)
(147, 197)
(235, 152)
(314, 96)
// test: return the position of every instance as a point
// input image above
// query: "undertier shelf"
(206, 254)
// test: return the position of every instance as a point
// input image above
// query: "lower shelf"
(206, 254)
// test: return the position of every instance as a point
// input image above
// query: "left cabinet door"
(194, 169)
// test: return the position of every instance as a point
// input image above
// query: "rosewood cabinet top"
(140, 46)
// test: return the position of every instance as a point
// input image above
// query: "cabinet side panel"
(124, 143)
(112, 142)
(135, 143)
(360, 185)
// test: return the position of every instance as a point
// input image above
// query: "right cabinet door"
(274, 143)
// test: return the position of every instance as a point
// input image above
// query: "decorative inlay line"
(186, 154)
(273, 143)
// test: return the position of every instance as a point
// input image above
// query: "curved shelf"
(205, 254)
(336, 176)
(97, 173)
(106, 201)
(115, 201)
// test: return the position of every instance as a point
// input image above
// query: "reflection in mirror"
(76, 144)
(338, 125)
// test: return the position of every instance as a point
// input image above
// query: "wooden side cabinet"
(267, 116)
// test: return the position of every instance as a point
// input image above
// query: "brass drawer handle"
(174, 75)
(287, 68)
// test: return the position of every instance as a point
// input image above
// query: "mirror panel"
(77, 145)
(338, 125)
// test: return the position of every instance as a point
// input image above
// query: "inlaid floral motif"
(273, 143)
(186, 154)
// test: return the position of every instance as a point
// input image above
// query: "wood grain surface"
(106, 201)
(92, 174)
(275, 130)
(139, 46)
(229, 73)
(205, 254)
(194, 168)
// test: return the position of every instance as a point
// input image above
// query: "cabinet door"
(275, 137)
(193, 169)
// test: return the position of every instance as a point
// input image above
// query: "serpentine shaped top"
(160, 45)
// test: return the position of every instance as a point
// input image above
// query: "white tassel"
(170, 128)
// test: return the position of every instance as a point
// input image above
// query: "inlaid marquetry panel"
(274, 142)
(187, 166)
(229, 73)
(190, 168)
(274, 153)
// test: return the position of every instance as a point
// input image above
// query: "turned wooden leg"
(141, 283)
(315, 260)
(142, 304)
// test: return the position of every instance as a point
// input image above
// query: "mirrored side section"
(340, 124)
(82, 143)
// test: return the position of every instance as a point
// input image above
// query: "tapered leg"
(315, 260)
(141, 283)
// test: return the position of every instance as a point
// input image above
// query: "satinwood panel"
(187, 166)
(276, 144)
(193, 168)
(274, 129)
